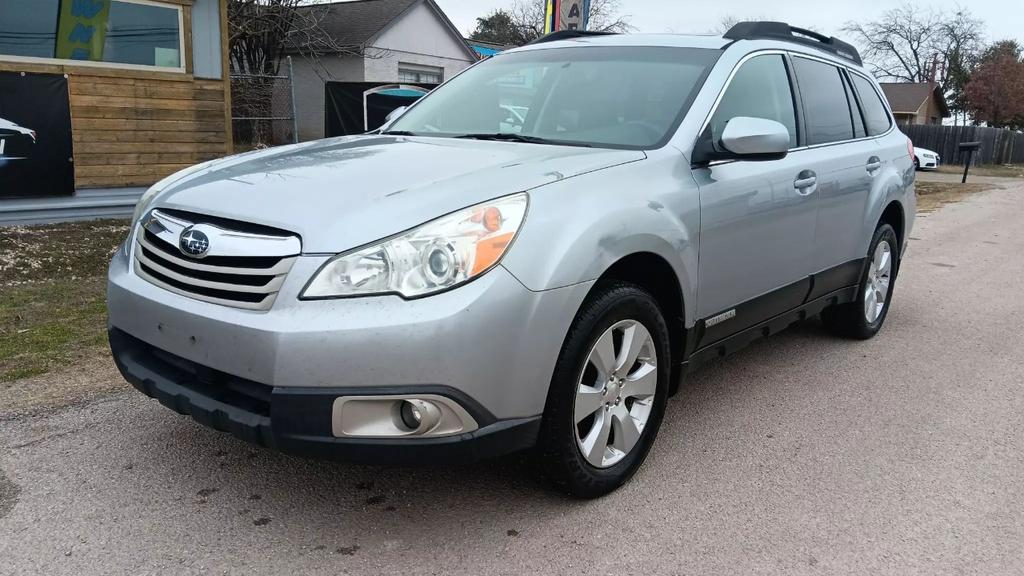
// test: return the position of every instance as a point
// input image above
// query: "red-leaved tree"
(995, 93)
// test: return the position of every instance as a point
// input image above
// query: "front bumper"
(490, 346)
(298, 420)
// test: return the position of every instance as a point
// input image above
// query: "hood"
(342, 193)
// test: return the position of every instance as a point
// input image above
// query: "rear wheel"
(608, 392)
(864, 317)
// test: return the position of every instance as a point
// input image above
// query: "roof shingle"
(908, 97)
(356, 22)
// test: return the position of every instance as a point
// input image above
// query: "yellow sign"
(566, 15)
(82, 29)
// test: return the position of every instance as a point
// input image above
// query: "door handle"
(874, 164)
(805, 182)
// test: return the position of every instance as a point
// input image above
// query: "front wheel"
(608, 392)
(863, 318)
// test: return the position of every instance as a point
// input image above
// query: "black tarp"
(344, 101)
(43, 166)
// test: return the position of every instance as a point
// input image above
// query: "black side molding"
(742, 339)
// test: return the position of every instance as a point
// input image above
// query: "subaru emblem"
(194, 243)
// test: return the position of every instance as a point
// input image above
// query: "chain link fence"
(263, 110)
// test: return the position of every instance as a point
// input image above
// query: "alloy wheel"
(615, 393)
(876, 289)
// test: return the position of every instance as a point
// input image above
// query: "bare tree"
(903, 44)
(260, 34)
(605, 16)
(912, 44)
(262, 31)
(963, 37)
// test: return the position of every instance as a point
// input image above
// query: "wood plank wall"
(134, 127)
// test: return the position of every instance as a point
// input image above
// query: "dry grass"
(52, 297)
(933, 195)
(1007, 171)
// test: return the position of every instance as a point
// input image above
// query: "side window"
(874, 110)
(825, 105)
(760, 89)
(858, 121)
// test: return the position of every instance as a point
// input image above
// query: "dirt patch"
(933, 195)
(52, 295)
(53, 349)
(1005, 171)
(53, 252)
(88, 379)
(8, 495)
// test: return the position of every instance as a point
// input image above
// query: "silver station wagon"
(456, 286)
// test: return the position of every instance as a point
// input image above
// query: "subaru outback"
(455, 287)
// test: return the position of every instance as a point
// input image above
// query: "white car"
(925, 159)
(15, 141)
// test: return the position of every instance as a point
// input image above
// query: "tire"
(917, 165)
(640, 391)
(859, 319)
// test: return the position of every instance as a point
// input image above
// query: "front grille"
(242, 270)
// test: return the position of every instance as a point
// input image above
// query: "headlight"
(436, 256)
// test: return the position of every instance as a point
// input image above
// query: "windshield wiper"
(398, 133)
(508, 137)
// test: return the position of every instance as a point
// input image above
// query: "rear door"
(757, 227)
(845, 161)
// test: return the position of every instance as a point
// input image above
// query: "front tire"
(608, 392)
(864, 317)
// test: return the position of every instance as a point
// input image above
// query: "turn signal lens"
(436, 256)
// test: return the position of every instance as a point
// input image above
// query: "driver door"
(757, 227)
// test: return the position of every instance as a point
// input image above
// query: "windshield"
(616, 97)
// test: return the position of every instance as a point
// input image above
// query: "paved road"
(803, 454)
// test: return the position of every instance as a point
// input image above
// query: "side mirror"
(745, 138)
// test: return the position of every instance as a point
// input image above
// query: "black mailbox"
(969, 148)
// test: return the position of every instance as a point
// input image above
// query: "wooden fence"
(997, 146)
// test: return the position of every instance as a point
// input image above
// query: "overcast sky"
(1003, 18)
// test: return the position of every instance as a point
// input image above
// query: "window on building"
(120, 32)
(415, 74)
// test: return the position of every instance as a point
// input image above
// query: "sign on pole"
(566, 15)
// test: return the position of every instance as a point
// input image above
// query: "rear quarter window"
(875, 114)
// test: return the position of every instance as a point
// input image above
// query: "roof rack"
(568, 35)
(787, 33)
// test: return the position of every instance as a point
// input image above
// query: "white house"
(401, 41)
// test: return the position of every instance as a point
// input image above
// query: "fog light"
(419, 416)
(411, 415)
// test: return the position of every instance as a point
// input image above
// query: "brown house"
(916, 103)
(128, 91)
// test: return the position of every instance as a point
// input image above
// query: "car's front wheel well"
(655, 275)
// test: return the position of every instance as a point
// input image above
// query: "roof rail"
(568, 35)
(787, 33)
